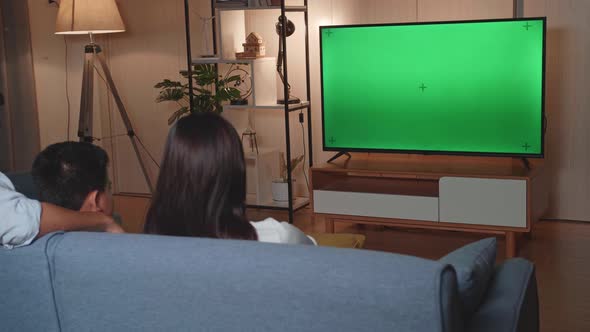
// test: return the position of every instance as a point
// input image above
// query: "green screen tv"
(463, 87)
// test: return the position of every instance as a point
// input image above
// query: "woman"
(201, 188)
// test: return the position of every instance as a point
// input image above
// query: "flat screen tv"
(463, 87)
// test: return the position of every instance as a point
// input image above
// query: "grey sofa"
(107, 282)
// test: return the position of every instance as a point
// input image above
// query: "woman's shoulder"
(268, 227)
(268, 230)
(268, 222)
(272, 230)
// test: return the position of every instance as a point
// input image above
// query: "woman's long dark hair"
(201, 189)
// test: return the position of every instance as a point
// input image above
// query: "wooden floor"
(560, 251)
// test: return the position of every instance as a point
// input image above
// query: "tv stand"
(497, 197)
(341, 153)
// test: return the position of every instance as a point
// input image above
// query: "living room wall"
(567, 104)
(153, 48)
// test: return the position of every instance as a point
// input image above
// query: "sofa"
(81, 281)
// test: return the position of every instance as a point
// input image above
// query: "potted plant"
(209, 91)
(280, 188)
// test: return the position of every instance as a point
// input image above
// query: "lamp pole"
(85, 125)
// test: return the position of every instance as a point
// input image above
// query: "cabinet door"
(492, 202)
(376, 205)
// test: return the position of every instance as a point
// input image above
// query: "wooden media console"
(500, 198)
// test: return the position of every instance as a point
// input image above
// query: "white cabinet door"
(494, 202)
(376, 205)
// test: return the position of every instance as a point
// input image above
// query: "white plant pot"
(280, 191)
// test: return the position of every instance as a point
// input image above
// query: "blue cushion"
(474, 264)
(24, 184)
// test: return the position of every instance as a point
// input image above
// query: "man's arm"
(19, 216)
(23, 219)
(55, 218)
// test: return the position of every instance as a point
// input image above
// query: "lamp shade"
(77, 17)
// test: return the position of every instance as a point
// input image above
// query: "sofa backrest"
(105, 282)
(23, 183)
(26, 294)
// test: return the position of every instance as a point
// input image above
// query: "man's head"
(74, 175)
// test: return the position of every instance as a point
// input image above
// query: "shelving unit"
(292, 107)
(264, 93)
(288, 9)
(298, 203)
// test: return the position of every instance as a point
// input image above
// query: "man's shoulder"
(5, 182)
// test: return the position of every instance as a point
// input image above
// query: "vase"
(280, 191)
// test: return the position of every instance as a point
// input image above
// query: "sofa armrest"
(511, 303)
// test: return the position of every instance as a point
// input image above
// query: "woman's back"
(201, 189)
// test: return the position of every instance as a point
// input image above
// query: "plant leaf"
(228, 94)
(177, 114)
(205, 74)
(167, 84)
(202, 91)
(170, 94)
(234, 78)
(203, 103)
(234, 93)
(209, 91)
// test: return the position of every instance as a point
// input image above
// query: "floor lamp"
(81, 17)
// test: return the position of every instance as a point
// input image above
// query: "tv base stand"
(430, 193)
(341, 153)
(526, 163)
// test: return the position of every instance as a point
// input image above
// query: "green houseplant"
(209, 91)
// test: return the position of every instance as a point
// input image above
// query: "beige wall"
(567, 104)
(49, 59)
(19, 119)
(55, 81)
(153, 48)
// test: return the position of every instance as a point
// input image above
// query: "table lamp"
(288, 27)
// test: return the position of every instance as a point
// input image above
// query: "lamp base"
(292, 100)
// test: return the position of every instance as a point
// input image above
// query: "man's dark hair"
(65, 173)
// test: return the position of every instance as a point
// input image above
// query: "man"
(23, 219)
(74, 175)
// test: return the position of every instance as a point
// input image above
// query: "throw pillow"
(474, 264)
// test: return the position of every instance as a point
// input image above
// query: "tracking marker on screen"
(527, 26)
(526, 146)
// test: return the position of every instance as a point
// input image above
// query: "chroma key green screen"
(468, 87)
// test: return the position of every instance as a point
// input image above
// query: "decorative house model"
(253, 47)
